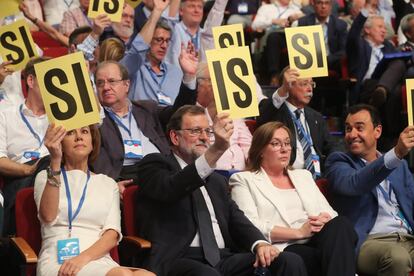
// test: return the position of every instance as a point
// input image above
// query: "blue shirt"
(181, 35)
(145, 83)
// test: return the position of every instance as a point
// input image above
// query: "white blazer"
(256, 196)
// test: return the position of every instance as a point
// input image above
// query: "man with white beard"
(122, 30)
(289, 105)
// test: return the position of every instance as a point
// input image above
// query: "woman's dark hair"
(261, 138)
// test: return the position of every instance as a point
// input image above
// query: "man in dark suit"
(130, 130)
(365, 53)
(184, 208)
(376, 192)
(334, 30)
(289, 104)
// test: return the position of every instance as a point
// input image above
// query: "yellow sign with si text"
(113, 8)
(228, 36)
(409, 86)
(67, 91)
(307, 53)
(233, 81)
(16, 44)
(133, 3)
(9, 7)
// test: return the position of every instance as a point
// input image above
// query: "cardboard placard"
(232, 77)
(16, 44)
(9, 7)
(228, 36)
(113, 8)
(307, 53)
(67, 91)
(133, 3)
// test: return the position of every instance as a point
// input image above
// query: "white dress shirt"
(277, 102)
(15, 136)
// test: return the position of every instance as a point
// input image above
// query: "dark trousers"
(11, 186)
(330, 252)
(232, 264)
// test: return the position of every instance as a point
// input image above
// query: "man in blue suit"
(376, 192)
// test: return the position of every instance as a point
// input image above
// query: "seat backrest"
(322, 184)
(27, 223)
(128, 213)
(251, 125)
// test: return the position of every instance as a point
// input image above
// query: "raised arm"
(49, 202)
(44, 26)
(147, 32)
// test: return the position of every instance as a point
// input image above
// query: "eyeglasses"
(277, 145)
(306, 84)
(111, 82)
(197, 131)
(161, 40)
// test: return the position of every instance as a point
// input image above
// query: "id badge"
(316, 164)
(242, 8)
(133, 149)
(31, 155)
(67, 249)
(164, 100)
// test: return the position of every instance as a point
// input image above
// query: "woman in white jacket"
(287, 206)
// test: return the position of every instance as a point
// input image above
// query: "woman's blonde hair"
(111, 49)
(261, 138)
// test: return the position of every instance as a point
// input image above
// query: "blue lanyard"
(387, 196)
(154, 76)
(69, 198)
(35, 135)
(119, 122)
(299, 125)
(194, 40)
(278, 11)
(86, 17)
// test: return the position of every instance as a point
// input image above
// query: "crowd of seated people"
(159, 129)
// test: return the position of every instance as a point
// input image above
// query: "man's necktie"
(306, 146)
(205, 229)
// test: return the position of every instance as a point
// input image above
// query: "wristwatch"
(53, 177)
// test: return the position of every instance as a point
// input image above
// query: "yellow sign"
(307, 53)
(113, 8)
(9, 7)
(16, 44)
(67, 91)
(409, 84)
(133, 3)
(233, 81)
(228, 36)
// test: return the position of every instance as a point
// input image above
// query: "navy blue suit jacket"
(352, 187)
(337, 34)
(359, 51)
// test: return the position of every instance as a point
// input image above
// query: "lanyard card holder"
(67, 249)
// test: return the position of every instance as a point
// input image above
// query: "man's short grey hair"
(368, 24)
(405, 23)
(162, 23)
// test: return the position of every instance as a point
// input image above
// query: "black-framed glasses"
(197, 131)
(161, 40)
(277, 145)
(111, 82)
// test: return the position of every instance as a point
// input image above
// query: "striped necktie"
(305, 143)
